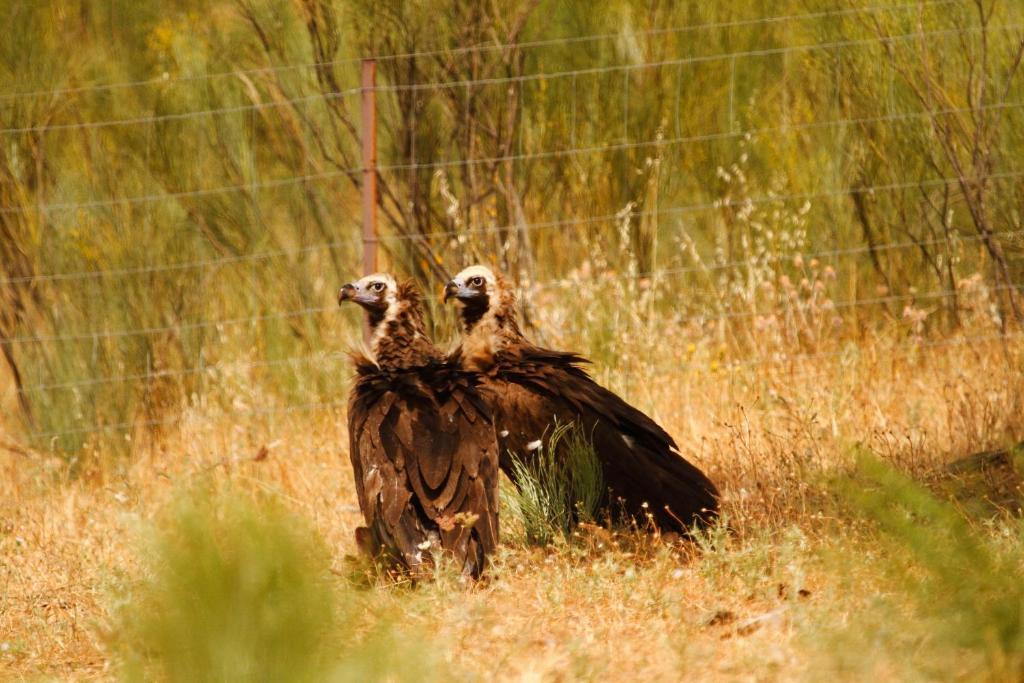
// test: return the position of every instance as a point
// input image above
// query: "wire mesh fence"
(631, 175)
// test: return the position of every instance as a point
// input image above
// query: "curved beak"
(451, 290)
(347, 293)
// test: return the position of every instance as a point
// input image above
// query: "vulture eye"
(377, 286)
(477, 281)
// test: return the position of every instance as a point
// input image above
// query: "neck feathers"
(487, 332)
(399, 339)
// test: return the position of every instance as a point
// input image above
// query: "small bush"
(236, 592)
(967, 578)
(232, 593)
(559, 487)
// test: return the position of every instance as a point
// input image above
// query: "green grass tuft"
(559, 487)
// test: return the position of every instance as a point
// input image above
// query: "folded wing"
(425, 460)
(641, 464)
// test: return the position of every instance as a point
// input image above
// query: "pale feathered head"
(376, 293)
(474, 287)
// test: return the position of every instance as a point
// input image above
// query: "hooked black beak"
(450, 290)
(347, 293)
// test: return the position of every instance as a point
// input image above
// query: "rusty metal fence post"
(369, 133)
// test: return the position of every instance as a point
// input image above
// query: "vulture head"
(487, 308)
(375, 293)
(473, 289)
(395, 315)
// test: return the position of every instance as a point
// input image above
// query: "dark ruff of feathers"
(423, 450)
(529, 388)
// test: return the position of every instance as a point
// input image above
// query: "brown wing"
(385, 497)
(425, 461)
(456, 467)
(640, 461)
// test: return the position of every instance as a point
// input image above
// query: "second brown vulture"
(533, 388)
(421, 439)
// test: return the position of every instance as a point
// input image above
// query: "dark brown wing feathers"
(425, 461)
(640, 461)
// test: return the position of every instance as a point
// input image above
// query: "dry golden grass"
(772, 600)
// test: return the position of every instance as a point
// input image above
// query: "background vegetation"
(200, 220)
(790, 231)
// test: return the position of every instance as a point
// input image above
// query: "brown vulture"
(421, 439)
(532, 388)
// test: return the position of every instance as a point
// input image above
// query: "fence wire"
(658, 142)
(165, 79)
(787, 362)
(779, 361)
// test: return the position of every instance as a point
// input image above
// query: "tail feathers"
(651, 469)
(652, 479)
(475, 558)
(407, 544)
(415, 542)
(675, 500)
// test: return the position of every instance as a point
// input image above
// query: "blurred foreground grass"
(237, 590)
(963, 577)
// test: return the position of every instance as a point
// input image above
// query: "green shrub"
(237, 592)
(559, 487)
(968, 579)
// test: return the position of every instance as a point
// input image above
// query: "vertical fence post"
(369, 133)
(732, 94)
(369, 96)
